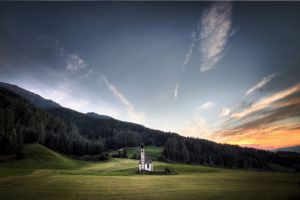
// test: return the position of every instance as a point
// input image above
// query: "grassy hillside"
(40, 157)
(153, 151)
(44, 174)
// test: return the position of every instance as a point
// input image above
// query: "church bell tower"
(142, 157)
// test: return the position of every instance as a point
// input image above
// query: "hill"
(290, 149)
(33, 98)
(50, 175)
(95, 115)
(75, 133)
(21, 122)
(134, 152)
(37, 156)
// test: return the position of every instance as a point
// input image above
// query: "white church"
(145, 163)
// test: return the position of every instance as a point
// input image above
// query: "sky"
(223, 71)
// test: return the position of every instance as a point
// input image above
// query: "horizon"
(209, 70)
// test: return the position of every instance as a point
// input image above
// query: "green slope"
(47, 175)
(37, 156)
(153, 151)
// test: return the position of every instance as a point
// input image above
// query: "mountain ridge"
(289, 149)
(33, 98)
(75, 133)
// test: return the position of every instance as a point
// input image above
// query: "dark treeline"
(75, 133)
(199, 151)
(178, 149)
(21, 122)
(115, 134)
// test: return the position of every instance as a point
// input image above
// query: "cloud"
(53, 47)
(132, 114)
(288, 111)
(272, 122)
(197, 127)
(206, 106)
(260, 84)
(176, 91)
(267, 101)
(189, 54)
(74, 62)
(215, 31)
(225, 112)
(267, 137)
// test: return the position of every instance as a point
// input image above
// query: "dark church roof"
(148, 160)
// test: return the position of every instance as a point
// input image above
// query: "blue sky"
(200, 69)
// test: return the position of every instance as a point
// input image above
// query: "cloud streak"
(267, 101)
(132, 114)
(189, 54)
(176, 91)
(260, 84)
(272, 122)
(206, 106)
(215, 30)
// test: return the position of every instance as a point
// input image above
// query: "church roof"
(148, 159)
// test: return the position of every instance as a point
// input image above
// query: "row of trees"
(197, 151)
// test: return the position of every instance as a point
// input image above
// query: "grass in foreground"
(48, 175)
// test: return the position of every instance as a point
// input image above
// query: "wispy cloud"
(176, 91)
(260, 84)
(189, 54)
(206, 106)
(132, 114)
(71, 61)
(272, 122)
(215, 30)
(225, 112)
(74, 62)
(267, 101)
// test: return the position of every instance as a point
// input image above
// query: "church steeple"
(145, 163)
(142, 154)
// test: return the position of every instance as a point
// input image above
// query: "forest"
(74, 133)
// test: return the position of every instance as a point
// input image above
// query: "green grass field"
(44, 174)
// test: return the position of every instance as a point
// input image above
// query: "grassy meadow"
(44, 174)
(153, 151)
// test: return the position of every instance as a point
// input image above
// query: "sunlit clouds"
(216, 27)
(197, 127)
(271, 122)
(260, 84)
(206, 106)
(225, 112)
(264, 137)
(267, 101)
